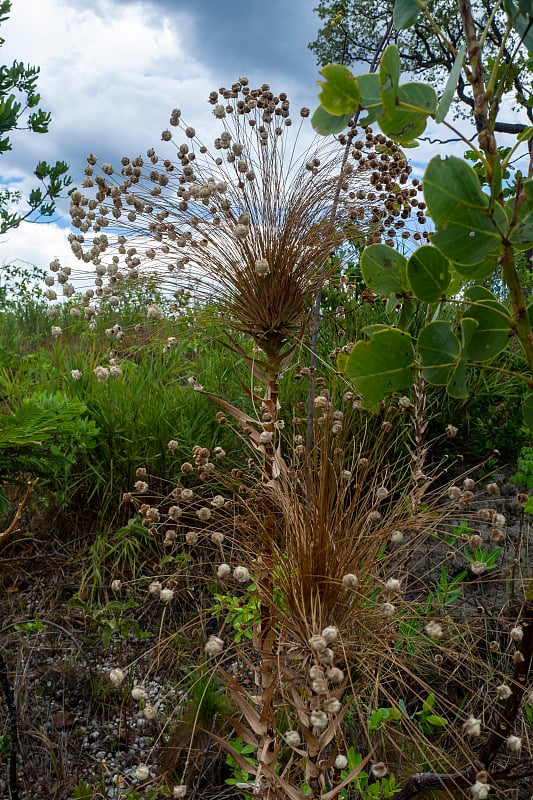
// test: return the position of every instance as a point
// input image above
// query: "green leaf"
(451, 85)
(368, 85)
(527, 411)
(340, 93)
(460, 209)
(384, 270)
(327, 124)
(429, 702)
(492, 333)
(405, 13)
(521, 18)
(408, 118)
(456, 386)
(450, 185)
(522, 233)
(438, 722)
(389, 76)
(469, 241)
(381, 366)
(428, 272)
(439, 349)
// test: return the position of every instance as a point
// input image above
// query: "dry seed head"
(503, 692)
(478, 567)
(142, 772)
(479, 790)
(514, 744)
(454, 493)
(117, 676)
(293, 738)
(138, 693)
(332, 705)
(393, 585)
(214, 646)
(517, 633)
(155, 588)
(388, 609)
(116, 585)
(179, 791)
(166, 595)
(203, 514)
(319, 719)
(330, 633)
(451, 431)
(335, 675)
(396, 537)
(241, 574)
(223, 571)
(469, 484)
(472, 727)
(379, 769)
(317, 643)
(434, 630)
(341, 762)
(191, 537)
(326, 656)
(150, 712)
(493, 488)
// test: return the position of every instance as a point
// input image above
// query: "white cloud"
(36, 245)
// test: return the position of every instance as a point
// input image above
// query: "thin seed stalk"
(266, 635)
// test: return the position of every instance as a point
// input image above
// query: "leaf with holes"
(339, 94)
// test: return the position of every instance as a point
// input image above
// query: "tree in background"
(352, 27)
(19, 110)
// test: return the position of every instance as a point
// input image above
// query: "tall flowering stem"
(247, 225)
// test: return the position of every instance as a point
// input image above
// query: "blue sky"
(112, 70)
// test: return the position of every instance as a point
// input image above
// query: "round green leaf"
(389, 75)
(450, 185)
(428, 272)
(404, 124)
(381, 366)
(439, 349)
(384, 270)
(326, 124)
(492, 333)
(340, 93)
(405, 13)
(368, 85)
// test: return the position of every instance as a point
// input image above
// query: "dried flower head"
(480, 790)
(241, 574)
(341, 762)
(223, 571)
(349, 581)
(216, 218)
(117, 676)
(379, 769)
(179, 791)
(293, 738)
(514, 743)
(138, 693)
(503, 692)
(472, 727)
(214, 646)
(142, 772)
